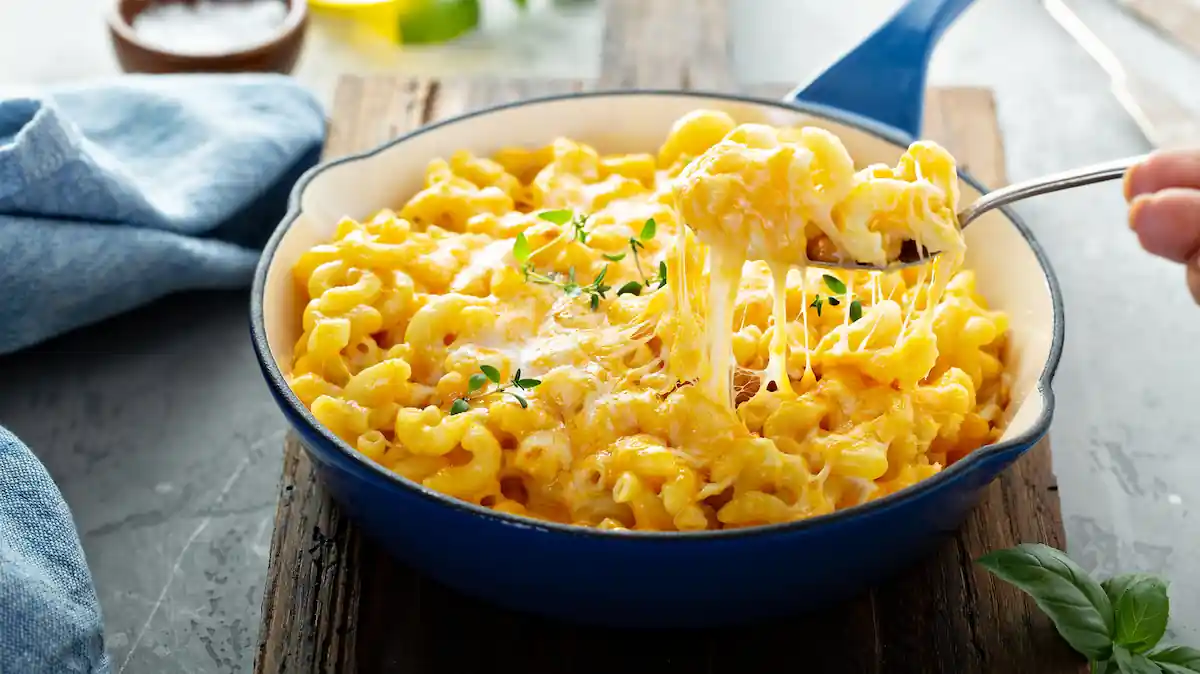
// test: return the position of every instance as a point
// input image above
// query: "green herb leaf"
(1133, 663)
(519, 398)
(459, 406)
(491, 373)
(1113, 587)
(614, 257)
(594, 302)
(521, 250)
(833, 301)
(662, 274)
(1072, 599)
(631, 288)
(476, 382)
(635, 245)
(600, 277)
(1140, 607)
(648, 230)
(855, 310)
(835, 284)
(578, 224)
(527, 383)
(1177, 659)
(817, 304)
(571, 289)
(559, 217)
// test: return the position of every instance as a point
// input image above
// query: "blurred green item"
(411, 21)
(433, 21)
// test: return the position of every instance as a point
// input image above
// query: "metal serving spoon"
(1087, 175)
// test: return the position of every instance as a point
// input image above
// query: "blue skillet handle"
(883, 79)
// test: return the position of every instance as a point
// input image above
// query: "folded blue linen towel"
(111, 196)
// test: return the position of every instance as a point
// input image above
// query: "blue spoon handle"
(883, 79)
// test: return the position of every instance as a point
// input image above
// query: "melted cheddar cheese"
(473, 339)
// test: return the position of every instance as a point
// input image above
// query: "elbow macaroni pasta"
(721, 395)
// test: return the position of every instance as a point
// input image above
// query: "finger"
(1193, 278)
(1161, 170)
(1168, 223)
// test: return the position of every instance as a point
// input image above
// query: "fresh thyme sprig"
(636, 245)
(565, 216)
(477, 387)
(835, 285)
(596, 290)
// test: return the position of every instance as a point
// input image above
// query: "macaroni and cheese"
(635, 342)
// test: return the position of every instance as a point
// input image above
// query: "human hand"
(1164, 208)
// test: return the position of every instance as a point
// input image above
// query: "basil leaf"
(833, 301)
(476, 382)
(631, 288)
(855, 310)
(1140, 609)
(520, 398)
(559, 217)
(1177, 659)
(1133, 663)
(835, 284)
(648, 230)
(1115, 586)
(459, 406)
(1072, 599)
(527, 383)
(614, 257)
(662, 274)
(521, 250)
(491, 373)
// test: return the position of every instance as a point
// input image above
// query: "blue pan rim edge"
(282, 391)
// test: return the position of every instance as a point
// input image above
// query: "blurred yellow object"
(412, 21)
(379, 16)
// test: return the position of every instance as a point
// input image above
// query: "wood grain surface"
(1178, 19)
(335, 603)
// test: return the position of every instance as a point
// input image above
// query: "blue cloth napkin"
(49, 616)
(115, 195)
(111, 196)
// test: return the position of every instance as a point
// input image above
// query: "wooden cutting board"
(335, 603)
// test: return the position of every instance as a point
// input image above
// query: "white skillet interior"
(1008, 272)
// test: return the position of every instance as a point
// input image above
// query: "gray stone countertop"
(162, 435)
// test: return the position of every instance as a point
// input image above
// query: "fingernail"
(1193, 278)
(1132, 184)
(1135, 207)
(1127, 184)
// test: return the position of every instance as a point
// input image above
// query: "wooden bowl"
(277, 53)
